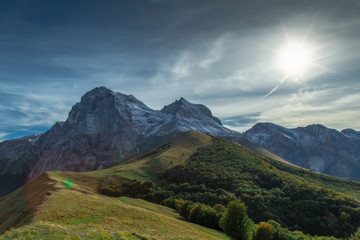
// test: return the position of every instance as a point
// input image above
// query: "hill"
(75, 213)
(190, 170)
(67, 205)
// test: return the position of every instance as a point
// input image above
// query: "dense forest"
(293, 202)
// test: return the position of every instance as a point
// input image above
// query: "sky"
(225, 54)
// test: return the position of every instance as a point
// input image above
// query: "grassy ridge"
(66, 205)
(77, 212)
(18, 207)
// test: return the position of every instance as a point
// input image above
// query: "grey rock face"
(13, 164)
(314, 147)
(103, 129)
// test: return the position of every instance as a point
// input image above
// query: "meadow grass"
(67, 205)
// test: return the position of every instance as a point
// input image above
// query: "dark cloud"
(219, 53)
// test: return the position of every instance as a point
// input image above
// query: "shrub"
(263, 231)
(235, 222)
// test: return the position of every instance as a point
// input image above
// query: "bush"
(194, 212)
(235, 222)
(130, 189)
(263, 231)
(207, 217)
(184, 209)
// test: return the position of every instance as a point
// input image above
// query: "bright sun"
(295, 59)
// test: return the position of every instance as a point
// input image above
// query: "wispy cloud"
(215, 52)
(327, 107)
(2, 135)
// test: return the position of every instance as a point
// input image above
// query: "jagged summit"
(103, 92)
(97, 91)
(104, 110)
(189, 110)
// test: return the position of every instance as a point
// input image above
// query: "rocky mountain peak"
(351, 133)
(104, 109)
(96, 92)
(92, 103)
(183, 108)
(103, 93)
(266, 125)
(317, 128)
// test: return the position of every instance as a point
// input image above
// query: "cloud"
(327, 107)
(3, 136)
(215, 53)
(218, 53)
(240, 123)
(22, 108)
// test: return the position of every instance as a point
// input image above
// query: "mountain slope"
(67, 204)
(77, 212)
(103, 129)
(296, 198)
(194, 167)
(314, 147)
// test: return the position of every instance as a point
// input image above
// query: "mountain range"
(164, 157)
(107, 127)
(314, 147)
(103, 129)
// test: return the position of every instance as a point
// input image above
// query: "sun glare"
(294, 59)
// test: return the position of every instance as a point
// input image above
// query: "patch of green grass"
(70, 214)
(80, 212)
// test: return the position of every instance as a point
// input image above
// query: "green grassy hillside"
(75, 213)
(296, 198)
(190, 170)
(67, 205)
